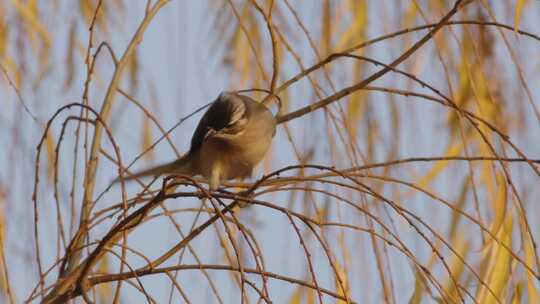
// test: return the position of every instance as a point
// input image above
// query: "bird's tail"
(179, 166)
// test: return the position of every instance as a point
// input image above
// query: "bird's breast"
(237, 154)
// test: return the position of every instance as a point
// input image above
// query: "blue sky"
(181, 69)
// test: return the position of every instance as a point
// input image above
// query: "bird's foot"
(242, 197)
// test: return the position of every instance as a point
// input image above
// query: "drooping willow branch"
(77, 281)
(348, 90)
(106, 106)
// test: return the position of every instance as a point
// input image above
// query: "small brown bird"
(230, 140)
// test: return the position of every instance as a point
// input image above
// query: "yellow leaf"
(456, 265)
(518, 292)
(356, 31)
(517, 15)
(498, 269)
(326, 28)
(104, 290)
(459, 204)
(439, 166)
(310, 297)
(133, 67)
(487, 173)
(357, 105)
(410, 14)
(499, 206)
(532, 291)
(147, 138)
(4, 35)
(297, 296)
(342, 275)
(51, 154)
(88, 9)
(29, 14)
(13, 70)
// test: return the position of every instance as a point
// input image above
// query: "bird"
(231, 138)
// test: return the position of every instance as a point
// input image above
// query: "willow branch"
(348, 90)
(90, 176)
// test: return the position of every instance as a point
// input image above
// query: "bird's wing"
(226, 116)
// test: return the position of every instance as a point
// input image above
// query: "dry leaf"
(517, 15)
(147, 139)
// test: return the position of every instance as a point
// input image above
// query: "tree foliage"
(404, 169)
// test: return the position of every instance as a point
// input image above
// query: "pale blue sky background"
(180, 60)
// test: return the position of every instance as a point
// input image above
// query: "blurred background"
(438, 218)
